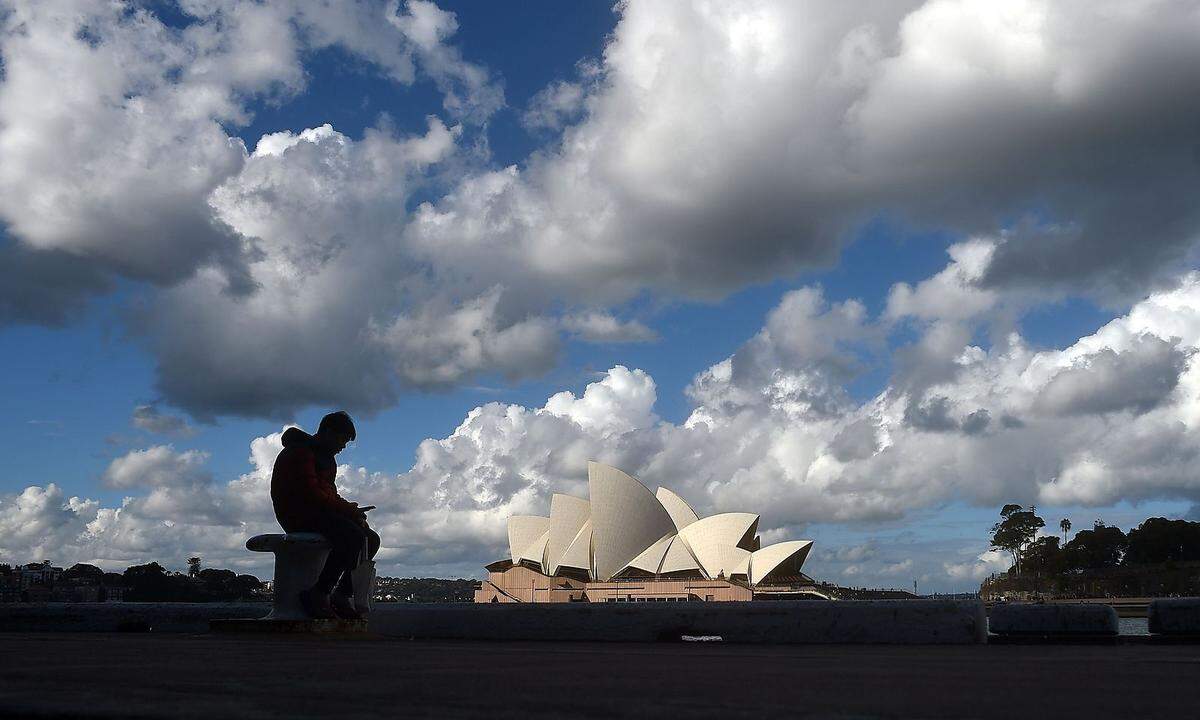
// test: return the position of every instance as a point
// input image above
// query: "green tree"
(1043, 557)
(193, 567)
(1065, 526)
(243, 587)
(1015, 531)
(82, 571)
(1101, 547)
(1158, 540)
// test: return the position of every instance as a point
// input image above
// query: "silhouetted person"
(306, 500)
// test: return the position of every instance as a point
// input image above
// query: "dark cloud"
(1138, 379)
(932, 414)
(857, 441)
(46, 288)
(976, 422)
(150, 419)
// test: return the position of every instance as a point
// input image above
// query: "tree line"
(1110, 559)
(152, 582)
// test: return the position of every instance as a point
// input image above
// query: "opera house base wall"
(898, 622)
(519, 584)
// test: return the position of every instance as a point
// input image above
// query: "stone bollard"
(1058, 619)
(364, 586)
(299, 558)
(1175, 616)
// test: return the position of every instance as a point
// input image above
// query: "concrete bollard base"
(1175, 616)
(1053, 620)
(898, 622)
(268, 626)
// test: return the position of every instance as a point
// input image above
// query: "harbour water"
(1133, 626)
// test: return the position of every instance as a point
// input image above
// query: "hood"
(296, 436)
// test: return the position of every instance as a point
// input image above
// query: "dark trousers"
(350, 543)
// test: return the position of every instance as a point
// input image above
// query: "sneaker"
(317, 605)
(344, 607)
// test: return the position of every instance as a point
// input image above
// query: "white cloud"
(952, 294)
(553, 105)
(599, 327)
(725, 144)
(984, 564)
(129, 170)
(897, 569)
(772, 430)
(755, 441)
(157, 466)
(712, 146)
(716, 145)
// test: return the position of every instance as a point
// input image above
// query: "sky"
(871, 270)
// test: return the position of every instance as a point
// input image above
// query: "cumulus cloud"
(984, 564)
(129, 171)
(1137, 378)
(45, 287)
(341, 316)
(158, 466)
(754, 143)
(747, 147)
(781, 438)
(709, 147)
(955, 293)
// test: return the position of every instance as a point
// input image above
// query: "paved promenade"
(206, 676)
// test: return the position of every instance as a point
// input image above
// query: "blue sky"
(72, 386)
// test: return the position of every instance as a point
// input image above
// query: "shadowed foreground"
(149, 675)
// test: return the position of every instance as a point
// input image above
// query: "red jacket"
(302, 485)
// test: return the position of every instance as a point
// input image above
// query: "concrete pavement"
(179, 675)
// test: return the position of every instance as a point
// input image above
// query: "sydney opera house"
(627, 544)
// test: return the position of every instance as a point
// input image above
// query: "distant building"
(627, 544)
(10, 587)
(44, 582)
(112, 593)
(42, 573)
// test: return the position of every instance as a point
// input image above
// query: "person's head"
(335, 431)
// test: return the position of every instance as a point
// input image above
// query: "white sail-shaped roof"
(791, 554)
(578, 554)
(523, 531)
(626, 519)
(626, 528)
(536, 552)
(681, 513)
(651, 558)
(567, 516)
(678, 559)
(727, 560)
(713, 538)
